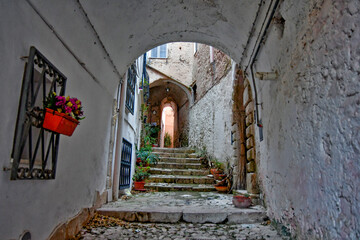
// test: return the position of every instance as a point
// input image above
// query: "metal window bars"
(33, 147)
(130, 89)
(125, 168)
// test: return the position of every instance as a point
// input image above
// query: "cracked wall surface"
(309, 159)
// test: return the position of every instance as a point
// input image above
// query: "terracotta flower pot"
(214, 171)
(241, 201)
(221, 188)
(139, 186)
(59, 122)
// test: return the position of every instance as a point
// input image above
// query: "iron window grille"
(130, 89)
(125, 167)
(35, 151)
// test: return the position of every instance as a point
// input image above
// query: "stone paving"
(191, 207)
(183, 231)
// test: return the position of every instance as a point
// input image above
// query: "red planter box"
(59, 122)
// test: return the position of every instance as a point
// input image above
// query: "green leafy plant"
(216, 164)
(147, 156)
(140, 174)
(167, 140)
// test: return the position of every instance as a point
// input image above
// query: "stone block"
(250, 154)
(251, 183)
(250, 131)
(249, 108)
(242, 150)
(249, 119)
(250, 142)
(251, 167)
(155, 214)
(200, 215)
(246, 217)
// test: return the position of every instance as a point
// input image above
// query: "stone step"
(179, 160)
(173, 150)
(180, 179)
(165, 187)
(177, 165)
(186, 172)
(188, 214)
(177, 155)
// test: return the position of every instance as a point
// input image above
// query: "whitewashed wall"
(39, 206)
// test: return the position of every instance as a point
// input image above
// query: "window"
(130, 88)
(35, 150)
(194, 93)
(159, 52)
(125, 167)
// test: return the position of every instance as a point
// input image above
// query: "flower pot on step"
(241, 201)
(214, 171)
(221, 188)
(139, 186)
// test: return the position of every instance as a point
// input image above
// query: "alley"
(263, 95)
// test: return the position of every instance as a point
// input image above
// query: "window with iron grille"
(130, 89)
(35, 150)
(125, 167)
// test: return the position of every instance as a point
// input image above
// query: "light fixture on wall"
(167, 89)
(154, 112)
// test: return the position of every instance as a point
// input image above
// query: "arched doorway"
(167, 127)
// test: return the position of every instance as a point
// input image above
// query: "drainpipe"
(253, 59)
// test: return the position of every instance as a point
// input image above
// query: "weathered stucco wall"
(178, 64)
(210, 120)
(40, 205)
(309, 159)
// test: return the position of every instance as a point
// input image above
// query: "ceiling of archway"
(130, 27)
(118, 31)
(158, 93)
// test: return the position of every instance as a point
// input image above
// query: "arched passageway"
(169, 93)
(309, 109)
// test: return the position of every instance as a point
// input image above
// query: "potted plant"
(217, 169)
(146, 156)
(139, 178)
(242, 200)
(62, 115)
(167, 140)
(222, 186)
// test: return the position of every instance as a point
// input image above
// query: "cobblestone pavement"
(182, 231)
(176, 199)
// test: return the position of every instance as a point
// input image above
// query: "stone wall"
(206, 74)
(210, 121)
(309, 158)
(178, 63)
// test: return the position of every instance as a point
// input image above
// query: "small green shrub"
(167, 140)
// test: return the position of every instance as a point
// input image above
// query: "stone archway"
(176, 95)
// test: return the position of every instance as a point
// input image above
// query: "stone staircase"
(179, 169)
